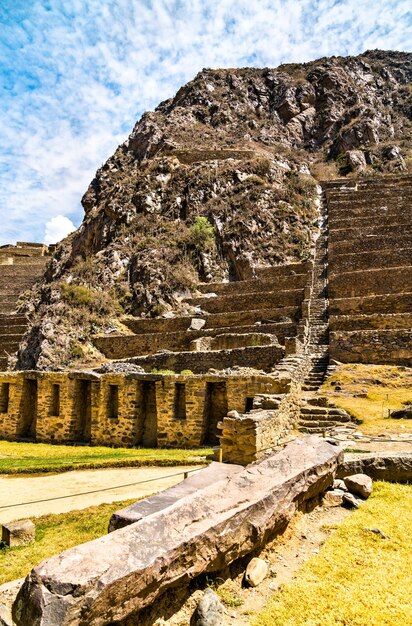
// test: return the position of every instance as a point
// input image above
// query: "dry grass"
(358, 578)
(55, 533)
(18, 458)
(370, 392)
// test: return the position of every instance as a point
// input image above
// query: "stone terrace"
(370, 269)
(20, 267)
(242, 323)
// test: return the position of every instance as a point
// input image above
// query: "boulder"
(116, 576)
(405, 413)
(349, 500)
(359, 484)
(333, 497)
(21, 533)
(209, 611)
(256, 572)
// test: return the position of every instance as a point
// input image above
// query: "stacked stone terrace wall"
(20, 267)
(245, 323)
(122, 410)
(370, 269)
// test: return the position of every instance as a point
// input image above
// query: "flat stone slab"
(116, 576)
(214, 473)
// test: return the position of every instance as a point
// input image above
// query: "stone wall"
(370, 269)
(20, 267)
(122, 410)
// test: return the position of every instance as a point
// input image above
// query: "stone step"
(371, 322)
(355, 261)
(370, 282)
(357, 233)
(371, 243)
(297, 281)
(222, 304)
(249, 317)
(370, 304)
(124, 346)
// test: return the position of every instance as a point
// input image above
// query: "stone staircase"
(20, 267)
(319, 414)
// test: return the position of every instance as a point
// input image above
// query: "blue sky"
(75, 75)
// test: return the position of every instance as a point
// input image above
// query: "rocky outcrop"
(114, 577)
(216, 182)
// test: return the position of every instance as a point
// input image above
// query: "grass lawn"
(358, 578)
(42, 457)
(369, 392)
(55, 533)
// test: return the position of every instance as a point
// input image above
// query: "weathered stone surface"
(333, 497)
(392, 467)
(197, 323)
(210, 475)
(209, 611)
(350, 501)
(116, 576)
(359, 484)
(338, 483)
(256, 572)
(5, 616)
(21, 533)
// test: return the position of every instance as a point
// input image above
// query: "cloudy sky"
(76, 74)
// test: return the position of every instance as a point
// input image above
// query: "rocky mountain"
(217, 181)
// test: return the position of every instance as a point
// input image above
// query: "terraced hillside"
(20, 267)
(370, 270)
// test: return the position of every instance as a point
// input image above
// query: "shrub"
(202, 233)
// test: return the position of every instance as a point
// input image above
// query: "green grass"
(42, 457)
(55, 533)
(358, 578)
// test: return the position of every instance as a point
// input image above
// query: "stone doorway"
(148, 416)
(26, 426)
(216, 408)
(83, 411)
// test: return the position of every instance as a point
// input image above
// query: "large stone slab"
(113, 577)
(210, 475)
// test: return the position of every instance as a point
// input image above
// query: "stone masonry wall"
(121, 410)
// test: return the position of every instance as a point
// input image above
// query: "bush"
(202, 233)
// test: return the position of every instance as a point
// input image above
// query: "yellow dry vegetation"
(358, 578)
(370, 392)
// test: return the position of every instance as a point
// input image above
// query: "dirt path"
(16, 489)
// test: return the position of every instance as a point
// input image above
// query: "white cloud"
(77, 75)
(57, 229)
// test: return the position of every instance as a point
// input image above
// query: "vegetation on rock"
(215, 182)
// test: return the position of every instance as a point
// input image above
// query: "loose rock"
(333, 497)
(350, 501)
(21, 533)
(209, 611)
(256, 572)
(359, 484)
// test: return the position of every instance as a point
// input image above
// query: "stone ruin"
(253, 355)
(352, 302)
